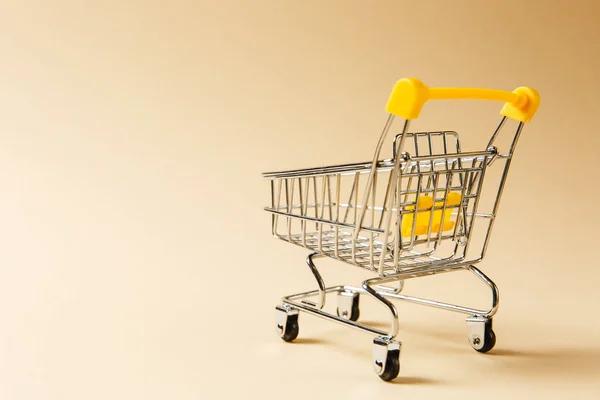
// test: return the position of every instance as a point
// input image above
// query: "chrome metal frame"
(320, 209)
(375, 288)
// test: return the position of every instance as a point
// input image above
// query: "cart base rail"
(386, 348)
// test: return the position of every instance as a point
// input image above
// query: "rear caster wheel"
(481, 334)
(386, 358)
(287, 323)
(489, 342)
(348, 306)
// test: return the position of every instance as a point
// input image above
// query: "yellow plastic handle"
(410, 94)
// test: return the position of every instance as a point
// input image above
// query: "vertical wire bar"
(320, 244)
(357, 177)
(302, 212)
(444, 205)
(279, 186)
(430, 144)
(338, 195)
(409, 183)
(493, 138)
(463, 181)
(300, 194)
(314, 178)
(397, 218)
(476, 203)
(354, 188)
(398, 230)
(317, 225)
(291, 205)
(507, 167)
(419, 186)
(445, 136)
(395, 170)
(320, 236)
(474, 176)
(460, 208)
(337, 216)
(307, 186)
(373, 170)
(436, 178)
(288, 209)
(273, 216)
(290, 194)
(415, 213)
(372, 238)
(330, 207)
(501, 187)
(462, 211)
(279, 193)
(385, 200)
(416, 140)
(417, 153)
(471, 184)
(323, 191)
(497, 131)
(356, 227)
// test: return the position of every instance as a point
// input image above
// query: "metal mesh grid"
(320, 208)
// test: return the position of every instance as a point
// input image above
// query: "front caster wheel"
(386, 358)
(489, 342)
(287, 323)
(481, 334)
(392, 366)
(348, 306)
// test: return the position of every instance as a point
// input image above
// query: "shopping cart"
(409, 216)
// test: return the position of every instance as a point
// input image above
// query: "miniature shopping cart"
(409, 216)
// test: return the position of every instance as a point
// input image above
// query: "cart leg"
(367, 286)
(481, 334)
(319, 279)
(286, 316)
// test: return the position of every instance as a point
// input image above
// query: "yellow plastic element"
(524, 112)
(423, 203)
(410, 94)
(422, 224)
(407, 98)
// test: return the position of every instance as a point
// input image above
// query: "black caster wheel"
(392, 366)
(481, 335)
(489, 342)
(348, 306)
(287, 323)
(386, 359)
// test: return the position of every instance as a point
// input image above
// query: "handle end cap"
(407, 98)
(526, 108)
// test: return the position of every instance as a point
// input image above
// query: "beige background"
(136, 260)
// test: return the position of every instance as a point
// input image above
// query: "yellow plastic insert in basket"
(422, 224)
